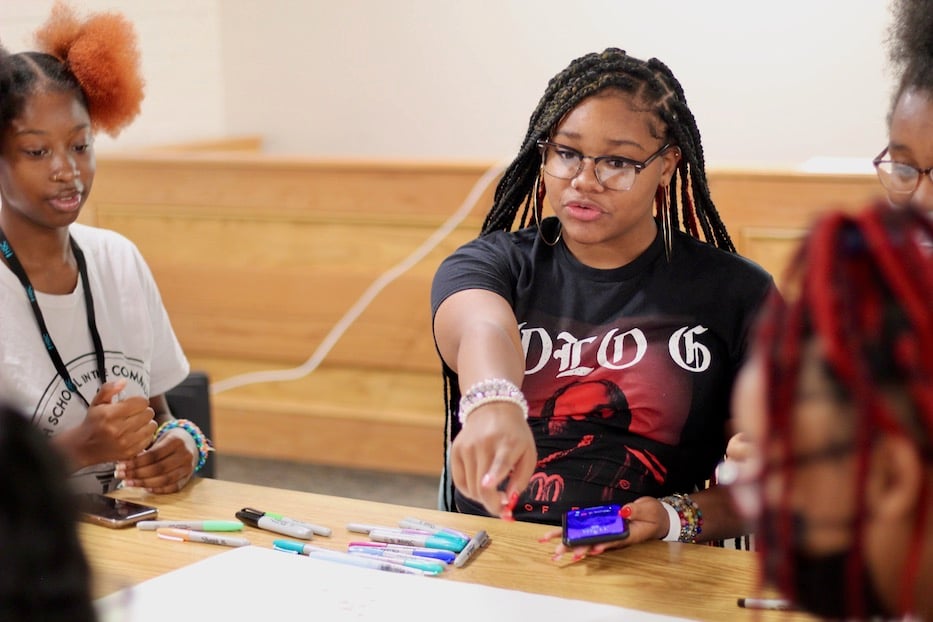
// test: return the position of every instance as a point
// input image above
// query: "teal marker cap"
(289, 545)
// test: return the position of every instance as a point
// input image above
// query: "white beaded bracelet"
(491, 390)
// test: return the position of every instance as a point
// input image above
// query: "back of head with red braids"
(861, 286)
(97, 58)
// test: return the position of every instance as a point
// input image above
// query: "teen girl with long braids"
(589, 357)
(87, 350)
(837, 403)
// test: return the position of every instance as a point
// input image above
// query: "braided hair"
(653, 84)
(95, 59)
(910, 38)
(862, 285)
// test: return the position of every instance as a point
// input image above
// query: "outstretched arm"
(477, 336)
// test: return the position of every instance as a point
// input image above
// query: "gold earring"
(538, 193)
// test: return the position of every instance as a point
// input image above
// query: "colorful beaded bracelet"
(204, 444)
(691, 518)
(491, 390)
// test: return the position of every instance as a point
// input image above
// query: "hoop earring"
(538, 193)
(662, 200)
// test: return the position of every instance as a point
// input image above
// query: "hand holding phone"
(114, 513)
(592, 525)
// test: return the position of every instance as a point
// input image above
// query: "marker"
(318, 529)
(290, 546)
(317, 552)
(417, 523)
(258, 518)
(193, 525)
(439, 554)
(410, 561)
(366, 528)
(775, 604)
(477, 542)
(186, 535)
(414, 539)
(365, 561)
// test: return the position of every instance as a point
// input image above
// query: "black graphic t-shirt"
(628, 371)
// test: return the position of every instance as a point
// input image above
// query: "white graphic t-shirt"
(137, 336)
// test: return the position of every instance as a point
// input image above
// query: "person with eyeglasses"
(835, 406)
(905, 166)
(589, 356)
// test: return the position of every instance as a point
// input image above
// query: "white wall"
(771, 84)
(180, 49)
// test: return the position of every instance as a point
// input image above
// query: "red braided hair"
(862, 285)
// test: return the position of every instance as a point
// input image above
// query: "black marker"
(258, 518)
(478, 541)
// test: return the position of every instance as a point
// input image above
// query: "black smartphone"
(600, 523)
(109, 512)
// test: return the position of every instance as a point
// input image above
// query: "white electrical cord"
(371, 292)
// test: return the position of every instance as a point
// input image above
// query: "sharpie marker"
(364, 561)
(775, 604)
(186, 535)
(439, 554)
(414, 539)
(417, 523)
(427, 565)
(193, 525)
(318, 529)
(257, 518)
(368, 529)
(317, 552)
(478, 541)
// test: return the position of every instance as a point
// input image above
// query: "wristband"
(491, 390)
(204, 444)
(673, 519)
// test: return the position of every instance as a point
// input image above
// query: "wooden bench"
(258, 257)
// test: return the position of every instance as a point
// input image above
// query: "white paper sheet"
(255, 583)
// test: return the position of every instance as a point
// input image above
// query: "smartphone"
(114, 513)
(600, 523)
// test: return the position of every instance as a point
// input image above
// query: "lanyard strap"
(7, 251)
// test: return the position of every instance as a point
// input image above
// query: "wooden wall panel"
(258, 257)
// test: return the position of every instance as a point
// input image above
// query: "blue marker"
(447, 557)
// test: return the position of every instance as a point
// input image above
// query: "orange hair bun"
(103, 55)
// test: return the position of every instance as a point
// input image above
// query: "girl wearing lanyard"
(87, 349)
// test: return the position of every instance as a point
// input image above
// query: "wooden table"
(692, 581)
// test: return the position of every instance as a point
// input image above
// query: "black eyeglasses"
(898, 177)
(612, 172)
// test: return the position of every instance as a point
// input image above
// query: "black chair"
(191, 400)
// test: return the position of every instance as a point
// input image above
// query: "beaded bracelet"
(491, 390)
(204, 444)
(691, 518)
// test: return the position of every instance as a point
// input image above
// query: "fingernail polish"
(626, 511)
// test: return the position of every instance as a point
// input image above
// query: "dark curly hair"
(45, 575)
(910, 41)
